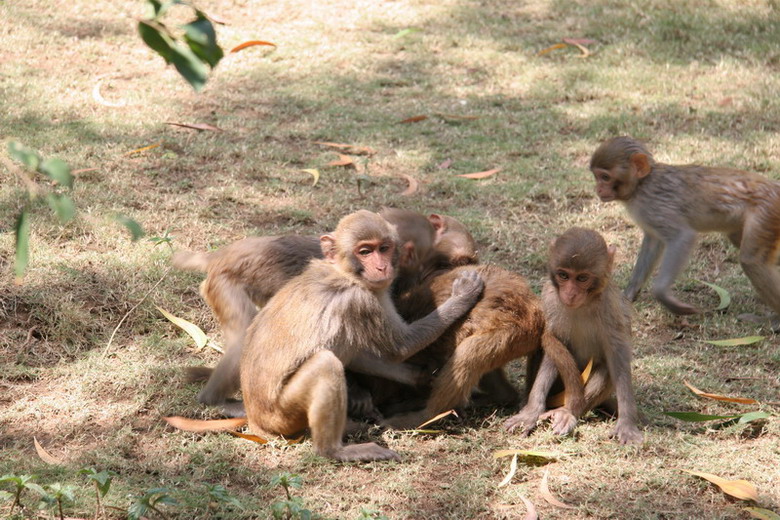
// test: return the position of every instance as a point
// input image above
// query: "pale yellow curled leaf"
(559, 399)
(531, 514)
(314, 173)
(45, 455)
(551, 48)
(480, 175)
(761, 513)
(742, 400)
(412, 187)
(190, 328)
(735, 342)
(512, 471)
(343, 160)
(741, 489)
(527, 453)
(200, 426)
(545, 491)
(434, 419)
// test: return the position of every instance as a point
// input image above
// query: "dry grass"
(698, 82)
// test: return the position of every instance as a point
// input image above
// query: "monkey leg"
(317, 395)
(597, 390)
(674, 259)
(498, 389)
(543, 379)
(234, 311)
(649, 253)
(760, 252)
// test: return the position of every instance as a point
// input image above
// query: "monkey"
(292, 364)
(672, 204)
(505, 324)
(586, 311)
(244, 275)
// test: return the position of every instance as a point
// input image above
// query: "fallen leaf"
(314, 173)
(413, 185)
(531, 514)
(551, 48)
(741, 489)
(527, 453)
(761, 513)
(143, 149)
(45, 455)
(735, 342)
(743, 400)
(440, 416)
(479, 175)
(753, 416)
(193, 330)
(249, 437)
(97, 96)
(413, 119)
(251, 43)
(405, 32)
(579, 41)
(512, 471)
(349, 148)
(559, 399)
(699, 417)
(545, 491)
(444, 164)
(195, 126)
(343, 160)
(456, 117)
(199, 425)
(723, 294)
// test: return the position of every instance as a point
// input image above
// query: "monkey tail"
(570, 374)
(199, 373)
(190, 261)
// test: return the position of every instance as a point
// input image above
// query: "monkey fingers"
(627, 433)
(526, 420)
(563, 421)
(468, 286)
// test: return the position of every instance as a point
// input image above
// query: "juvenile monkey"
(339, 308)
(586, 311)
(672, 204)
(244, 275)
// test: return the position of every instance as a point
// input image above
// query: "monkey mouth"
(607, 198)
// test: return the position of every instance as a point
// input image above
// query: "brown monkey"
(244, 275)
(586, 311)
(505, 324)
(672, 204)
(292, 366)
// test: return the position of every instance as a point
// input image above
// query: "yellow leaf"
(349, 148)
(45, 455)
(343, 160)
(526, 453)
(434, 419)
(741, 489)
(761, 513)
(579, 44)
(249, 437)
(531, 514)
(413, 185)
(512, 471)
(456, 116)
(195, 126)
(251, 43)
(143, 149)
(560, 398)
(190, 328)
(314, 173)
(199, 426)
(545, 491)
(742, 400)
(551, 48)
(479, 175)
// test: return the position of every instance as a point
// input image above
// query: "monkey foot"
(563, 421)
(525, 421)
(365, 452)
(627, 433)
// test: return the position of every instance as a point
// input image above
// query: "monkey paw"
(525, 421)
(365, 452)
(468, 286)
(563, 421)
(627, 433)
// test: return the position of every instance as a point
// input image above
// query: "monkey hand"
(467, 287)
(563, 421)
(627, 433)
(525, 420)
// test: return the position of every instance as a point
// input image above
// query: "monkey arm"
(372, 365)
(527, 417)
(649, 254)
(673, 262)
(619, 365)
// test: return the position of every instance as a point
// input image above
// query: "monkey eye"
(563, 275)
(605, 178)
(364, 251)
(384, 248)
(583, 278)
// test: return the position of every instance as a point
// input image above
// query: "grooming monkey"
(587, 312)
(672, 204)
(338, 309)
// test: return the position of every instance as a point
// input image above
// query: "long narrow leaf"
(22, 256)
(742, 400)
(735, 342)
(190, 328)
(512, 471)
(741, 489)
(723, 294)
(699, 417)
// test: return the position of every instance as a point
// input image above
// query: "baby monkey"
(587, 313)
(672, 204)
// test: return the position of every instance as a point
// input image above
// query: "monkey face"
(573, 286)
(608, 184)
(375, 258)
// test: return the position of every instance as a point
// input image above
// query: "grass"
(697, 80)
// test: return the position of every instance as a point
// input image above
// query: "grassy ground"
(697, 80)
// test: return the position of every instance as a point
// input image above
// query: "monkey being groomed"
(672, 204)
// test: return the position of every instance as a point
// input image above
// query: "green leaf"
(62, 205)
(202, 39)
(723, 294)
(753, 416)
(735, 342)
(5, 495)
(134, 227)
(699, 417)
(190, 328)
(189, 66)
(22, 243)
(761, 513)
(102, 479)
(24, 155)
(406, 32)
(157, 40)
(58, 170)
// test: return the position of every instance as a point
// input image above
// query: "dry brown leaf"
(456, 116)
(742, 400)
(143, 149)
(349, 148)
(197, 425)
(531, 514)
(413, 185)
(45, 455)
(195, 126)
(249, 437)
(343, 160)
(251, 43)
(413, 119)
(445, 164)
(440, 416)
(545, 491)
(551, 48)
(741, 489)
(559, 399)
(479, 175)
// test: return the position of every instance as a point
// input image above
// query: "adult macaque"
(505, 324)
(244, 275)
(292, 366)
(586, 311)
(672, 204)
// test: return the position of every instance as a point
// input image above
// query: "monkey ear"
(641, 164)
(438, 223)
(328, 245)
(408, 255)
(611, 250)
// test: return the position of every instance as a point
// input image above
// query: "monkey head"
(579, 266)
(618, 166)
(364, 245)
(453, 241)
